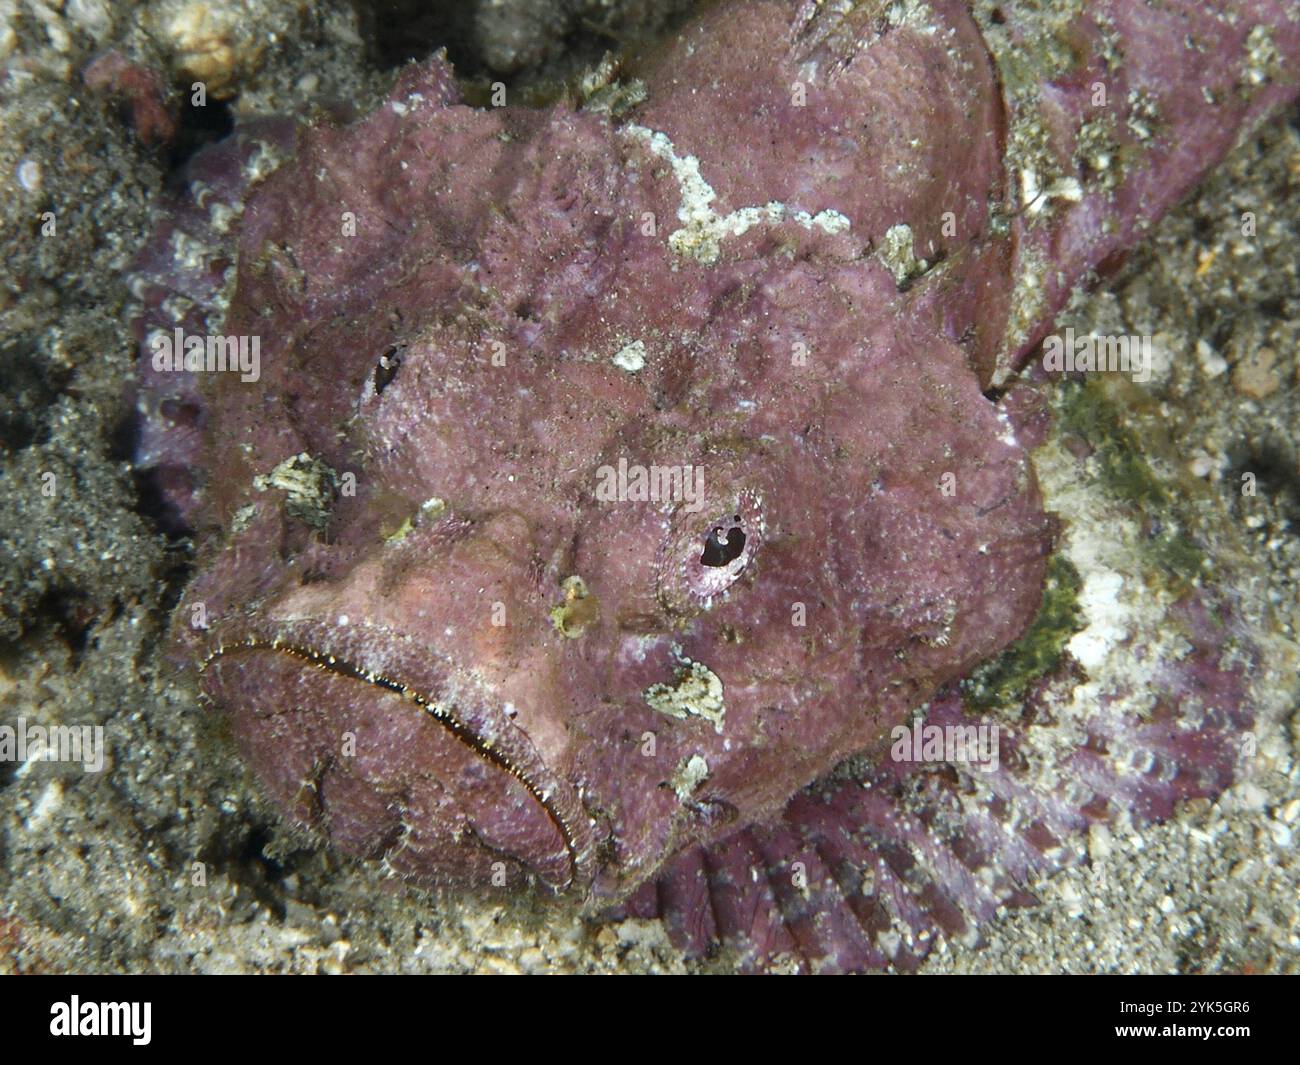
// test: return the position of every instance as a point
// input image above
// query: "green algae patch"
(1001, 683)
(1085, 410)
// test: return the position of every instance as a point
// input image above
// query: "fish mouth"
(377, 742)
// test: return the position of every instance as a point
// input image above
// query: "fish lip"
(415, 671)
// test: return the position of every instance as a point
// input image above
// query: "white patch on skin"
(308, 486)
(637, 648)
(1009, 436)
(703, 229)
(243, 519)
(697, 692)
(630, 357)
(411, 103)
(915, 14)
(264, 159)
(190, 253)
(1036, 199)
(690, 774)
(224, 215)
(898, 252)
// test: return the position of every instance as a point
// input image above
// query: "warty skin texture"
(394, 668)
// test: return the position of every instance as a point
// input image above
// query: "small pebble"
(1212, 363)
(29, 175)
(1257, 375)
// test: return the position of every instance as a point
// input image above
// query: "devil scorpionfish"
(617, 481)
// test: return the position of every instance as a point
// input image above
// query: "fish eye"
(698, 561)
(723, 545)
(386, 369)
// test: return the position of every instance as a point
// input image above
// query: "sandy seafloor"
(97, 870)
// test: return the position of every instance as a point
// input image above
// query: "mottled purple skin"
(180, 274)
(823, 399)
(893, 859)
